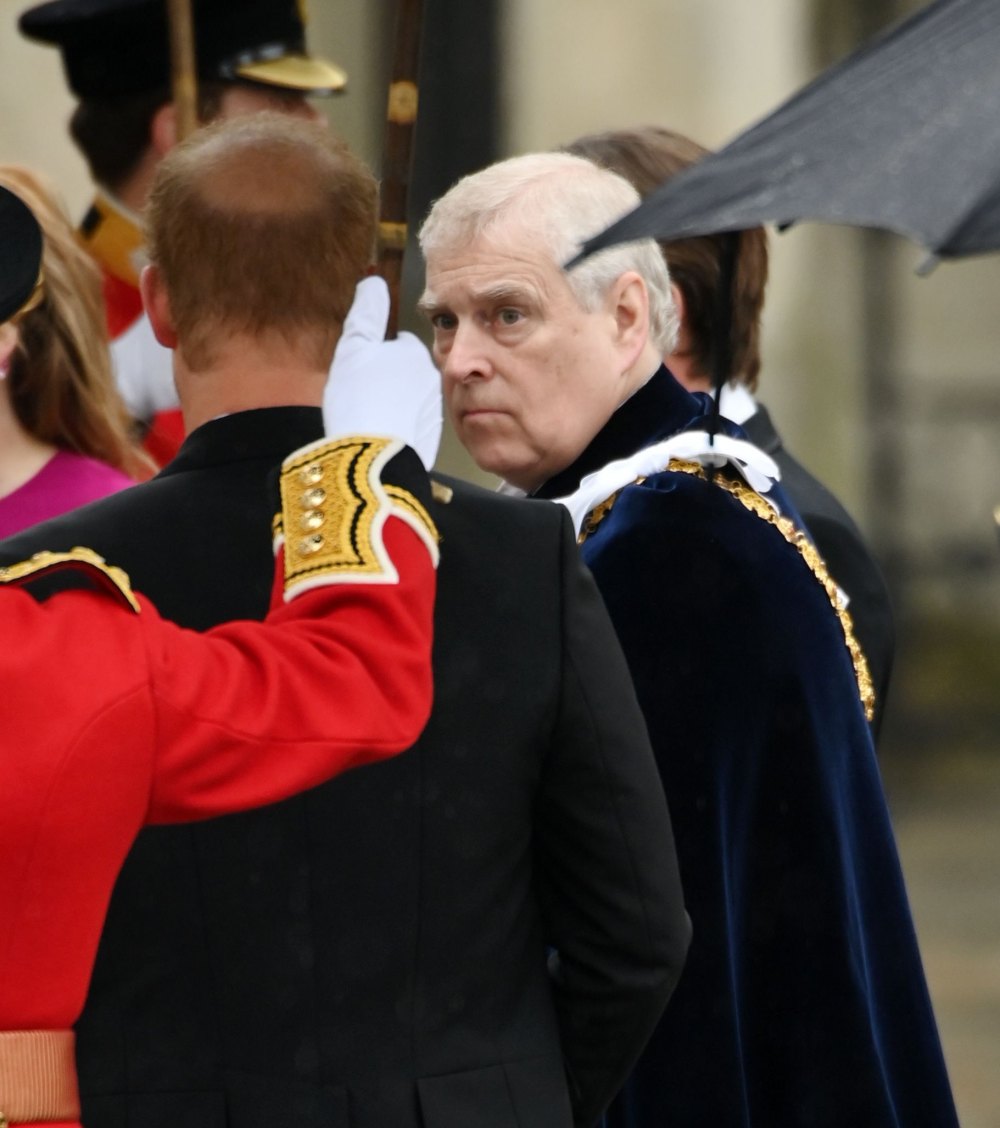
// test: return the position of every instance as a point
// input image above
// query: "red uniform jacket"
(110, 719)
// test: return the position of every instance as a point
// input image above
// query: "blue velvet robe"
(803, 1003)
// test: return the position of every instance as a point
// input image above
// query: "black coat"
(845, 552)
(374, 953)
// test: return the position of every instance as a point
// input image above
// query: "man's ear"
(156, 302)
(163, 129)
(630, 300)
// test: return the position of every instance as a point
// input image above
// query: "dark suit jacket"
(842, 546)
(374, 953)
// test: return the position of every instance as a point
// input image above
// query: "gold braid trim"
(752, 500)
(83, 560)
(409, 504)
(38, 1076)
(329, 503)
(443, 494)
(334, 506)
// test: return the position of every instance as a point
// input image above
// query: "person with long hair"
(64, 430)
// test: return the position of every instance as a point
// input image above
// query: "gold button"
(312, 519)
(310, 475)
(306, 548)
(313, 499)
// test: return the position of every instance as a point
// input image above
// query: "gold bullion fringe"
(752, 500)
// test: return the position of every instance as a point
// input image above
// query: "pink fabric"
(66, 481)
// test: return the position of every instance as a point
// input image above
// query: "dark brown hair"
(114, 133)
(647, 157)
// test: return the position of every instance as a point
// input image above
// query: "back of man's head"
(557, 201)
(650, 156)
(261, 227)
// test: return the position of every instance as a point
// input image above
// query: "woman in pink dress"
(64, 432)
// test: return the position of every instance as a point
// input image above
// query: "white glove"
(380, 387)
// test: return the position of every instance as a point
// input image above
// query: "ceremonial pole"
(183, 74)
(397, 153)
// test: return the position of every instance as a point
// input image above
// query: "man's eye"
(509, 316)
(443, 322)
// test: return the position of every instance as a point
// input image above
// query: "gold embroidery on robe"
(753, 501)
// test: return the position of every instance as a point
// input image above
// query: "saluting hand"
(381, 387)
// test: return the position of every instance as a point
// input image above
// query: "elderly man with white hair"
(803, 1002)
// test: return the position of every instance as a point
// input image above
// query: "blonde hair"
(559, 200)
(61, 387)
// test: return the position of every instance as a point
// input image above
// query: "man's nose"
(466, 357)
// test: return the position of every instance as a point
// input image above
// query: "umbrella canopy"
(903, 134)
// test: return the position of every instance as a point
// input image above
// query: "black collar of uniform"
(261, 433)
(659, 409)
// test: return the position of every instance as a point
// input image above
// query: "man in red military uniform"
(112, 718)
(117, 62)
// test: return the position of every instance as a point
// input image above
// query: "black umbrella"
(903, 134)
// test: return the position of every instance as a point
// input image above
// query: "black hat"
(112, 48)
(20, 254)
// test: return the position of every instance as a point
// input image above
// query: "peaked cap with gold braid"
(116, 48)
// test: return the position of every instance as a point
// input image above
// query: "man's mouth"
(474, 412)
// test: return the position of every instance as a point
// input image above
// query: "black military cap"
(112, 48)
(20, 254)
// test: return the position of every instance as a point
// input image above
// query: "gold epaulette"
(334, 506)
(441, 493)
(753, 501)
(83, 560)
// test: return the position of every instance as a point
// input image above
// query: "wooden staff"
(397, 153)
(183, 74)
